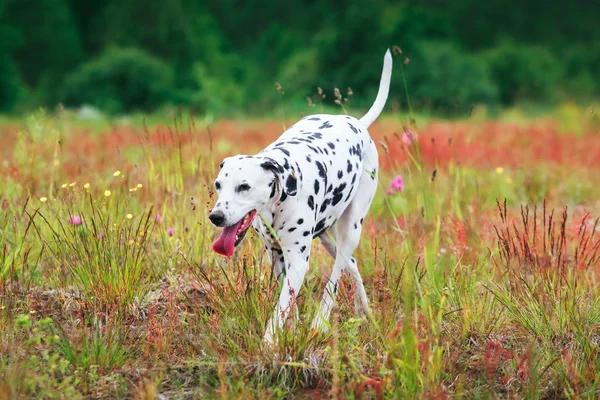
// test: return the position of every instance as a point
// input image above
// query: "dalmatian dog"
(318, 178)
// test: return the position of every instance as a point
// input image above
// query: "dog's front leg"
(294, 277)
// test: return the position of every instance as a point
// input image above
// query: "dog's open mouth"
(233, 235)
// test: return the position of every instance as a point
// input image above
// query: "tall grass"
(110, 290)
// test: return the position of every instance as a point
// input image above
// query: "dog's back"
(327, 154)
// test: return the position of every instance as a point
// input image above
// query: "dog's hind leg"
(320, 320)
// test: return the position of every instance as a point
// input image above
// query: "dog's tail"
(382, 94)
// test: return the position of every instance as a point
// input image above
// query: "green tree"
(51, 46)
(9, 77)
(121, 80)
(523, 72)
(442, 78)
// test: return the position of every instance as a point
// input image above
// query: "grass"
(482, 273)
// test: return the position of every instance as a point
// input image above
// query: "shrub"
(441, 77)
(10, 86)
(121, 80)
(580, 63)
(523, 72)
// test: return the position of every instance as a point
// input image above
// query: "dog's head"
(244, 186)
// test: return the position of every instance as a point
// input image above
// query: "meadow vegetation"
(480, 257)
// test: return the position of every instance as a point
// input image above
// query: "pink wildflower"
(74, 220)
(171, 231)
(389, 191)
(409, 137)
(158, 218)
(397, 183)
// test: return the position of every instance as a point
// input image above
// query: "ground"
(480, 257)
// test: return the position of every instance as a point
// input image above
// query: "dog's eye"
(217, 185)
(243, 187)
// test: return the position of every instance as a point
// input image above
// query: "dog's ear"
(286, 176)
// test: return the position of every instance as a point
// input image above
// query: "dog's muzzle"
(217, 218)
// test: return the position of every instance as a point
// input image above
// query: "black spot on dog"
(320, 225)
(331, 145)
(300, 221)
(330, 188)
(322, 170)
(292, 229)
(314, 119)
(316, 186)
(349, 168)
(291, 185)
(308, 159)
(340, 174)
(221, 165)
(349, 194)
(338, 194)
(311, 202)
(352, 127)
(326, 124)
(353, 179)
(306, 233)
(302, 249)
(325, 204)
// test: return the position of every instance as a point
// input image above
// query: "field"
(481, 266)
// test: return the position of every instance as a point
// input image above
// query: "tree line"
(224, 56)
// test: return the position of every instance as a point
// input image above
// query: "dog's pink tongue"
(225, 244)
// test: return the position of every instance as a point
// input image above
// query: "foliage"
(49, 47)
(10, 85)
(121, 80)
(439, 77)
(225, 58)
(523, 72)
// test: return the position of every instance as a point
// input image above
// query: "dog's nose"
(217, 218)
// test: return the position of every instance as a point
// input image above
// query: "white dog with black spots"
(318, 177)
